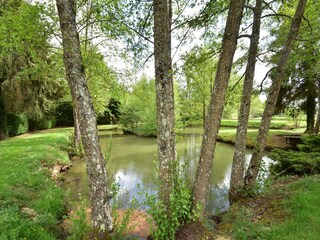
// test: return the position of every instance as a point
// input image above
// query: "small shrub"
(17, 124)
(168, 221)
(46, 123)
(305, 161)
(294, 163)
(311, 143)
(73, 148)
(80, 227)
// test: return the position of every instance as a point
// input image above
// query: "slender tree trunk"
(317, 126)
(215, 108)
(237, 172)
(3, 121)
(3, 114)
(203, 113)
(310, 111)
(164, 96)
(255, 161)
(99, 199)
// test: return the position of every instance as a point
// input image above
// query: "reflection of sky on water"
(132, 161)
(129, 184)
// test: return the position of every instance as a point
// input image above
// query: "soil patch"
(193, 231)
(138, 226)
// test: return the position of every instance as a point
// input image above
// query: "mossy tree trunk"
(255, 162)
(99, 199)
(237, 172)
(164, 97)
(215, 108)
(76, 131)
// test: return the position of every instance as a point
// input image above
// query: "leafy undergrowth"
(290, 210)
(304, 161)
(30, 202)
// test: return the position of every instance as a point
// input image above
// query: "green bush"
(17, 124)
(168, 220)
(45, 123)
(311, 143)
(304, 161)
(295, 163)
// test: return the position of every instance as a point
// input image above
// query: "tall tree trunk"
(237, 172)
(3, 120)
(215, 108)
(164, 96)
(310, 111)
(99, 199)
(255, 161)
(317, 126)
(203, 113)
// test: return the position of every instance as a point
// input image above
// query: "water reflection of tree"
(217, 199)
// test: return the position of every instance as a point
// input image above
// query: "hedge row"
(17, 124)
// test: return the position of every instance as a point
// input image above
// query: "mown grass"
(300, 218)
(276, 123)
(228, 135)
(25, 183)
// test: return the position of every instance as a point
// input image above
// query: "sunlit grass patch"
(25, 183)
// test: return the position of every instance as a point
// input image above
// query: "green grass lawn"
(276, 123)
(26, 185)
(229, 135)
(294, 216)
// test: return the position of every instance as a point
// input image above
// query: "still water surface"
(133, 163)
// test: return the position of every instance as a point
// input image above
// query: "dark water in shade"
(133, 162)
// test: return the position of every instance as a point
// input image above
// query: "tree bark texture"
(317, 125)
(255, 162)
(237, 172)
(76, 130)
(215, 108)
(164, 97)
(101, 211)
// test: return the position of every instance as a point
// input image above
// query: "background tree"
(29, 74)
(197, 86)
(138, 109)
(300, 88)
(199, 77)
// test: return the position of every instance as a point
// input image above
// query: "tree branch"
(265, 77)
(276, 15)
(245, 36)
(250, 7)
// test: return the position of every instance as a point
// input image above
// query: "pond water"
(133, 163)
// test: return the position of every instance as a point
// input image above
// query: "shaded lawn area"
(289, 210)
(30, 202)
